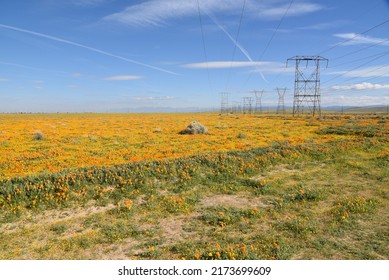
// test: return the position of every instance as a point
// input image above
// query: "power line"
(275, 31)
(379, 76)
(371, 78)
(236, 40)
(352, 38)
(203, 39)
(272, 37)
(359, 59)
(357, 51)
(344, 73)
(375, 57)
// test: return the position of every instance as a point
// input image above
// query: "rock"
(195, 128)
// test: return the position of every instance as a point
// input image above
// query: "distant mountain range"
(159, 110)
(345, 109)
(383, 109)
(359, 109)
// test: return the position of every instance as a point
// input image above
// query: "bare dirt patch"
(232, 201)
(280, 169)
(54, 216)
(172, 228)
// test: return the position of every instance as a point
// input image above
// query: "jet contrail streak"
(232, 39)
(239, 46)
(84, 47)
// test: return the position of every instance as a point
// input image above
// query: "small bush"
(259, 187)
(59, 228)
(351, 206)
(364, 131)
(301, 193)
(38, 135)
(299, 226)
(241, 136)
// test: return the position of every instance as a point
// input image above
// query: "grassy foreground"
(305, 201)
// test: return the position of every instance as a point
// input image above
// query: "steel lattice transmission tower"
(307, 83)
(281, 103)
(236, 107)
(247, 105)
(258, 100)
(224, 103)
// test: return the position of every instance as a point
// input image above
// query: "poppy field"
(32, 144)
(129, 186)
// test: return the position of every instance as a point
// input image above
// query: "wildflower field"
(129, 186)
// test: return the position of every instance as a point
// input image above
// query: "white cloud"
(38, 81)
(157, 12)
(3, 79)
(260, 67)
(123, 78)
(354, 100)
(358, 39)
(224, 64)
(372, 71)
(361, 86)
(153, 98)
(296, 9)
(274, 68)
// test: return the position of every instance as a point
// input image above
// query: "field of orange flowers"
(120, 186)
(81, 140)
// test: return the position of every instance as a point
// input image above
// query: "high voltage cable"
(236, 40)
(203, 39)
(271, 39)
(379, 76)
(365, 80)
(275, 31)
(386, 53)
(352, 38)
(371, 78)
(359, 59)
(273, 35)
(359, 50)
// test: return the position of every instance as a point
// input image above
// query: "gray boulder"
(195, 128)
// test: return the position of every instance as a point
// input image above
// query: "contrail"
(243, 50)
(85, 47)
(29, 67)
(239, 46)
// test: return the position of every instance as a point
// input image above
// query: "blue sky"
(106, 55)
